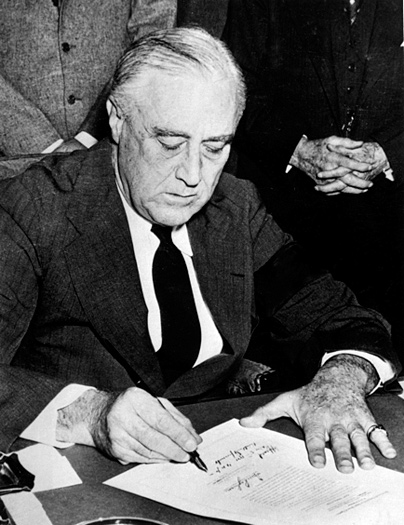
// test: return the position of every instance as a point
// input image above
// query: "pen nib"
(195, 458)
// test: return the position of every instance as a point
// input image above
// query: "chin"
(172, 219)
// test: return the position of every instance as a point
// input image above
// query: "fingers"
(128, 450)
(180, 418)
(339, 143)
(315, 444)
(380, 439)
(343, 441)
(281, 406)
(342, 172)
(145, 429)
(341, 448)
(337, 188)
(360, 444)
(141, 443)
(330, 175)
(347, 184)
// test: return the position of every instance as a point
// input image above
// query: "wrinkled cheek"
(214, 181)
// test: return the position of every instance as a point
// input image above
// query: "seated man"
(136, 269)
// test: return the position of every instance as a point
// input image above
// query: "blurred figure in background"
(209, 14)
(56, 56)
(325, 81)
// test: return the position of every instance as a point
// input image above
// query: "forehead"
(190, 103)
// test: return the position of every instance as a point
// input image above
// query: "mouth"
(177, 197)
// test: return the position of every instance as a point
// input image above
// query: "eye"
(215, 150)
(170, 144)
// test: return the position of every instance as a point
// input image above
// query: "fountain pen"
(195, 457)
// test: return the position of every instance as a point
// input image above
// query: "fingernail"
(345, 467)
(390, 453)
(367, 464)
(318, 461)
(190, 445)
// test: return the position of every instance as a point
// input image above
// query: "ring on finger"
(374, 427)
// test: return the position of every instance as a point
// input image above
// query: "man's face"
(173, 146)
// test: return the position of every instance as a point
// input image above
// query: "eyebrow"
(164, 132)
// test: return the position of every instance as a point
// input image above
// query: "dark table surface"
(92, 499)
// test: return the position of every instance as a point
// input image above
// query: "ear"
(115, 120)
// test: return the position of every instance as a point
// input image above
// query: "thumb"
(281, 406)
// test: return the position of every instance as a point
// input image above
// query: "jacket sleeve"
(303, 313)
(23, 127)
(23, 393)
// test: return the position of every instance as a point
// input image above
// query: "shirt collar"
(143, 226)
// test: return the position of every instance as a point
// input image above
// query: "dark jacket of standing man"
(326, 95)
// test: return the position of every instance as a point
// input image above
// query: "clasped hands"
(339, 164)
(135, 427)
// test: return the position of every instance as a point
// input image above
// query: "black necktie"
(180, 328)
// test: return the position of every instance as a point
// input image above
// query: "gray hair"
(175, 51)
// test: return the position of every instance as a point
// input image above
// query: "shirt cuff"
(52, 147)
(43, 428)
(388, 173)
(382, 367)
(86, 139)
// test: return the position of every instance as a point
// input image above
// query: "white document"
(261, 477)
(25, 509)
(51, 470)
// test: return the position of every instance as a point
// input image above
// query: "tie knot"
(163, 233)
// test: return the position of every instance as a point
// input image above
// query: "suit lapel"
(103, 268)
(223, 271)
(223, 274)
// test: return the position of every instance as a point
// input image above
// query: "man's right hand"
(133, 426)
(318, 156)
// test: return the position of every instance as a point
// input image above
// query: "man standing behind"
(326, 97)
(91, 245)
(56, 56)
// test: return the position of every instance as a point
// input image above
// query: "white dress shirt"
(145, 244)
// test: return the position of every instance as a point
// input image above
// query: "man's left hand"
(370, 152)
(344, 180)
(332, 408)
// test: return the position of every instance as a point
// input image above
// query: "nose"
(190, 167)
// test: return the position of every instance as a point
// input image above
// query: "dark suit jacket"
(71, 306)
(286, 49)
(293, 54)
